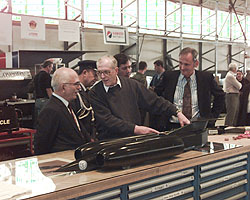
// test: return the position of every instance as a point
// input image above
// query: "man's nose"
(102, 76)
(181, 66)
(78, 87)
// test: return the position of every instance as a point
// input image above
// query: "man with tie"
(116, 101)
(191, 90)
(57, 126)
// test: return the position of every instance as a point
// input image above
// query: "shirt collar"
(106, 88)
(65, 102)
(83, 87)
(192, 77)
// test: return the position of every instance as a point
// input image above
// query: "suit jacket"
(56, 129)
(242, 117)
(155, 80)
(206, 88)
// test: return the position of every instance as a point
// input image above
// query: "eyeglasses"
(75, 84)
(105, 72)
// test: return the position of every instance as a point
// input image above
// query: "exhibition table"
(219, 171)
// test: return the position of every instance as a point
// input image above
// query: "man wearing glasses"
(191, 90)
(57, 126)
(116, 101)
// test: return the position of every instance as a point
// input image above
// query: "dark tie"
(74, 117)
(187, 100)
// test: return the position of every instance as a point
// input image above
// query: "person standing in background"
(244, 109)
(159, 69)
(124, 65)
(154, 119)
(240, 77)
(232, 88)
(81, 105)
(42, 87)
(141, 77)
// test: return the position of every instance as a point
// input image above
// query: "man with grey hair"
(232, 88)
(116, 101)
(57, 126)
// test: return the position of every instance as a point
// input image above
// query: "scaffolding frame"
(138, 37)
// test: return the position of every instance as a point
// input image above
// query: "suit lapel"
(199, 83)
(66, 113)
(173, 84)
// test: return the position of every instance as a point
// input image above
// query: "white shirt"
(231, 84)
(65, 102)
(118, 82)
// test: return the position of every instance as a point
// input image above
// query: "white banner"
(115, 35)
(68, 31)
(6, 30)
(16, 74)
(32, 28)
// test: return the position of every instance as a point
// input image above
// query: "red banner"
(2, 60)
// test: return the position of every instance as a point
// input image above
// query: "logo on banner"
(32, 24)
(109, 34)
(115, 35)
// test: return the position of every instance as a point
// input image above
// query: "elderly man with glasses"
(58, 128)
(116, 101)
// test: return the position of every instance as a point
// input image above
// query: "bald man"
(57, 126)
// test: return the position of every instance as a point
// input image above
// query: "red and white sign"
(115, 35)
(32, 28)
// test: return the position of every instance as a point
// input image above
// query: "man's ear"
(84, 72)
(196, 63)
(116, 69)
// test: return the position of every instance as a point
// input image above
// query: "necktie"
(187, 100)
(74, 117)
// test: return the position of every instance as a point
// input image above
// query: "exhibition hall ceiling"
(222, 4)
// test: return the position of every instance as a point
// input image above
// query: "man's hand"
(182, 119)
(139, 130)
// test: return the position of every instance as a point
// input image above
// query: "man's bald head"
(65, 83)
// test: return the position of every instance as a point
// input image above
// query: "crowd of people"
(237, 87)
(103, 101)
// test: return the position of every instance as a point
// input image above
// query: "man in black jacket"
(203, 87)
(57, 126)
(81, 105)
(117, 100)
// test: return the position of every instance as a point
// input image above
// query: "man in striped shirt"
(202, 88)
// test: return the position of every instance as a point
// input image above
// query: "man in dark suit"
(57, 126)
(81, 105)
(159, 69)
(202, 84)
